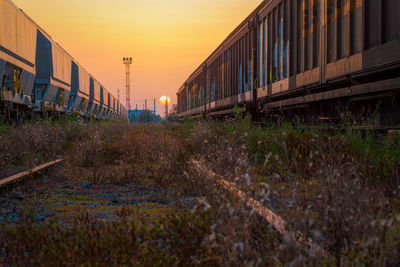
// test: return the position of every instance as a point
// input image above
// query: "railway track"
(20, 176)
(389, 130)
(301, 241)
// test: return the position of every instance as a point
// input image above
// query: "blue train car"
(38, 75)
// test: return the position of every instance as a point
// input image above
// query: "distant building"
(134, 115)
(137, 116)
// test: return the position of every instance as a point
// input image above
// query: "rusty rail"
(275, 220)
(24, 174)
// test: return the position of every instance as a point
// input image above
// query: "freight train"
(38, 76)
(312, 59)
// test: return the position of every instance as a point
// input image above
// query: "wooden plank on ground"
(272, 218)
(24, 174)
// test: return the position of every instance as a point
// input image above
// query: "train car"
(342, 53)
(81, 106)
(110, 116)
(94, 98)
(117, 108)
(52, 88)
(226, 78)
(112, 106)
(103, 93)
(108, 110)
(307, 58)
(74, 97)
(17, 57)
(38, 75)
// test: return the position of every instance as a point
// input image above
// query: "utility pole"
(136, 115)
(154, 110)
(128, 62)
(145, 111)
(165, 100)
(166, 110)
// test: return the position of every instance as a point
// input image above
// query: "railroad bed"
(201, 193)
(49, 198)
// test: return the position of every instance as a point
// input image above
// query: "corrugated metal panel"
(105, 95)
(17, 32)
(61, 65)
(101, 95)
(84, 81)
(96, 92)
(372, 23)
(111, 102)
(391, 20)
(26, 38)
(9, 27)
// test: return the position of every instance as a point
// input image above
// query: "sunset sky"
(167, 39)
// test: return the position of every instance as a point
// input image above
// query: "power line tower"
(128, 62)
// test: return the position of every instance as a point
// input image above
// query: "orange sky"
(168, 39)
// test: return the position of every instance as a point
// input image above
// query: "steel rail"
(272, 218)
(24, 174)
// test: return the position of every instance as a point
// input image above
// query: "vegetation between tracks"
(340, 189)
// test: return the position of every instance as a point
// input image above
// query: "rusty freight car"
(306, 58)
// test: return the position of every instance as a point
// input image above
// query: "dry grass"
(173, 240)
(330, 187)
(341, 190)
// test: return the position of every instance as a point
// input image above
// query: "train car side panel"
(61, 67)
(17, 54)
(381, 32)
(84, 83)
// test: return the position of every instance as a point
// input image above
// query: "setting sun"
(165, 100)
